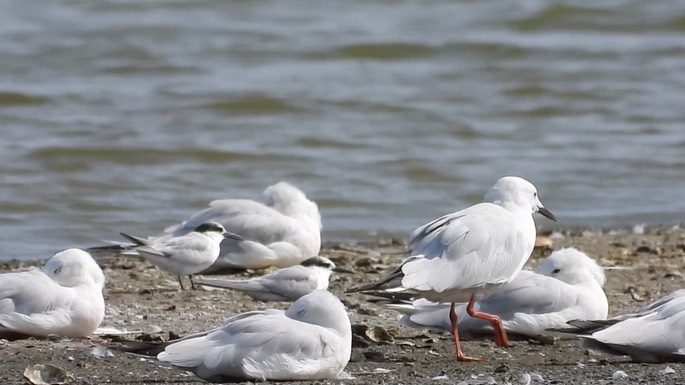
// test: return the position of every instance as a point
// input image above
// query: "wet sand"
(143, 299)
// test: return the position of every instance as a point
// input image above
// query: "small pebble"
(375, 356)
(546, 339)
(357, 356)
(667, 370)
(173, 335)
(593, 353)
(619, 375)
(639, 229)
(101, 352)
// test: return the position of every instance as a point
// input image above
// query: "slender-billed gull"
(312, 340)
(281, 230)
(655, 333)
(64, 297)
(287, 284)
(182, 255)
(469, 254)
(567, 286)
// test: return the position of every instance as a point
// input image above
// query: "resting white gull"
(64, 298)
(312, 340)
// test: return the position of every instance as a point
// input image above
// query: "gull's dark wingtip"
(394, 279)
(137, 241)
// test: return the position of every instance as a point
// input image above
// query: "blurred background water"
(130, 116)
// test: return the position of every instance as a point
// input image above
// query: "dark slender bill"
(547, 214)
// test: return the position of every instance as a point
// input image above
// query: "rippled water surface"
(129, 116)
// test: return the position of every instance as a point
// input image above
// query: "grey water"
(131, 115)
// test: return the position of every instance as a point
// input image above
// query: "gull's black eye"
(555, 271)
(535, 194)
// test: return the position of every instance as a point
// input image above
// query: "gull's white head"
(573, 267)
(321, 308)
(74, 267)
(518, 193)
(291, 201)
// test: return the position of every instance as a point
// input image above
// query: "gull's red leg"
(457, 343)
(500, 334)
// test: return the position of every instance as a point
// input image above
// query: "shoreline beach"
(642, 264)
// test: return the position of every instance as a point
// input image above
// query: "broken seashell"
(375, 334)
(40, 374)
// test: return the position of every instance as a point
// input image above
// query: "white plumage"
(312, 340)
(281, 230)
(64, 297)
(655, 333)
(567, 286)
(287, 284)
(186, 254)
(180, 255)
(469, 254)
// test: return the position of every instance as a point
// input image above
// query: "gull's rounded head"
(210, 227)
(572, 266)
(322, 308)
(517, 193)
(291, 201)
(73, 267)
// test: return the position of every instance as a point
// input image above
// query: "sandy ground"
(141, 298)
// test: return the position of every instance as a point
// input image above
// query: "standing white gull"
(287, 284)
(281, 230)
(566, 287)
(64, 298)
(466, 255)
(312, 340)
